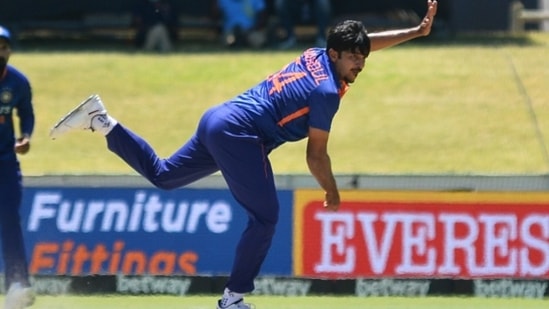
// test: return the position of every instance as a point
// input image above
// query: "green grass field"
(264, 302)
(450, 107)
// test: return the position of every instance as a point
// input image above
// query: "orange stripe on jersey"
(293, 116)
(343, 89)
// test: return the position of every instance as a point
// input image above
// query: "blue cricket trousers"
(221, 143)
(13, 247)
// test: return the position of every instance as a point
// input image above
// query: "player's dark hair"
(349, 35)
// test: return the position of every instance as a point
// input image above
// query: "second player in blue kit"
(15, 100)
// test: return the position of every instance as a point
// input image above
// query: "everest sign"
(422, 234)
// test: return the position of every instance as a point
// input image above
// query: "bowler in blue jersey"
(297, 102)
(15, 100)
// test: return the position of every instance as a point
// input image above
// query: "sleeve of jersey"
(25, 110)
(323, 106)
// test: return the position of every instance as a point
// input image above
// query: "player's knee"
(266, 227)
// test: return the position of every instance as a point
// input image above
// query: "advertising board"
(465, 235)
(83, 231)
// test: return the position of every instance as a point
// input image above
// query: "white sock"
(103, 124)
(230, 298)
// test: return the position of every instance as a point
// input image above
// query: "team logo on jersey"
(5, 96)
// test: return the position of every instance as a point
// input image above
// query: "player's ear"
(333, 54)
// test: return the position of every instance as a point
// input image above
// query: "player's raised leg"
(88, 115)
(188, 164)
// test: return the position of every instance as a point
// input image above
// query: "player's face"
(5, 51)
(347, 64)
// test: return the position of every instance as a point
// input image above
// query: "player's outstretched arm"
(384, 39)
(320, 166)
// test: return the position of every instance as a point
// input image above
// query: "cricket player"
(15, 94)
(236, 137)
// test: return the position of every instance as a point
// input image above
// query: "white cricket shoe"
(238, 305)
(19, 297)
(80, 118)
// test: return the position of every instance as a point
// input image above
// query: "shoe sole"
(71, 113)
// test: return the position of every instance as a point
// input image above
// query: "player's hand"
(22, 145)
(331, 201)
(427, 22)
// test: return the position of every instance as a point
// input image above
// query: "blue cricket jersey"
(15, 93)
(305, 93)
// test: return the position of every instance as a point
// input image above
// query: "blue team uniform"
(235, 138)
(15, 93)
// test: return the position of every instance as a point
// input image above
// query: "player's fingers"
(331, 206)
(22, 149)
(432, 8)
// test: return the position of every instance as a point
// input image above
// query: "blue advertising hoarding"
(83, 231)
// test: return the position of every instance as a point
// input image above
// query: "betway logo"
(510, 288)
(280, 286)
(147, 212)
(391, 287)
(153, 285)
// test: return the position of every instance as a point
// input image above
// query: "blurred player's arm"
(384, 39)
(25, 113)
(22, 145)
(320, 166)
